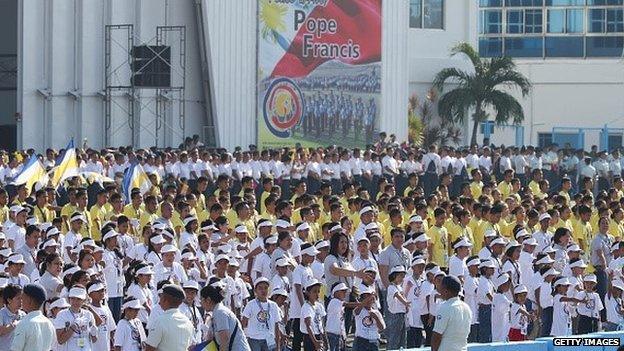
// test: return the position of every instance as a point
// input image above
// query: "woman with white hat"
(154, 247)
(113, 273)
(485, 294)
(76, 327)
(51, 279)
(141, 290)
(130, 334)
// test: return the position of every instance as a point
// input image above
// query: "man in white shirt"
(452, 324)
(34, 331)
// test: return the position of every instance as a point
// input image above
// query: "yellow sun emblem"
(272, 18)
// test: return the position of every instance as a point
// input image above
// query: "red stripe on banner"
(357, 20)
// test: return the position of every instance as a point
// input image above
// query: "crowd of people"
(320, 248)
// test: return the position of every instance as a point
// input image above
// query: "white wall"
(62, 45)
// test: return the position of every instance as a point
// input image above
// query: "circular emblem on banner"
(283, 107)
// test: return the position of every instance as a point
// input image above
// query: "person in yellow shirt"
(98, 214)
(202, 186)
(476, 186)
(395, 223)
(81, 207)
(439, 239)
(300, 189)
(476, 227)
(22, 195)
(464, 220)
(267, 185)
(453, 228)
(269, 208)
(505, 186)
(566, 185)
(616, 224)
(243, 216)
(150, 214)
(409, 209)
(4, 209)
(583, 230)
(42, 212)
(412, 180)
(134, 209)
(534, 184)
(68, 208)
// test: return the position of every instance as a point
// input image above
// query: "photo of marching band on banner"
(319, 72)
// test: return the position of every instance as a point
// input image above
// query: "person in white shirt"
(336, 333)
(471, 285)
(35, 331)
(588, 312)
(545, 299)
(397, 308)
(453, 319)
(457, 262)
(519, 315)
(77, 327)
(526, 260)
(485, 294)
(368, 322)
(261, 317)
(312, 313)
(614, 306)
(501, 308)
(413, 287)
(130, 334)
(106, 329)
(301, 276)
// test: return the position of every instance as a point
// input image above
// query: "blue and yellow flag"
(32, 172)
(135, 177)
(66, 165)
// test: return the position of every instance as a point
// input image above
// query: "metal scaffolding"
(120, 90)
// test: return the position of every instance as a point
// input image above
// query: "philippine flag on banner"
(66, 165)
(358, 20)
(33, 172)
(135, 177)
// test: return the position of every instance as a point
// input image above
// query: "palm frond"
(506, 107)
(511, 79)
(450, 74)
(469, 51)
(454, 104)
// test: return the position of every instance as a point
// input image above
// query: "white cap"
(549, 249)
(222, 257)
(303, 226)
(157, 239)
(88, 242)
(272, 240)
(489, 233)
(519, 289)
(262, 280)
(512, 244)
(168, 234)
(339, 287)
(368, 241)
(418, 260)
(59, 303)
(474, 262)
(280, 223)
(398, 269)
(498, 241)
(96, 287)
(615, 246)
(544, 216)
(2, 236)
(283, 262)
(279, 291)
(190, 284)
(563, 281)
(580, 264)
(310, 251)
(590, 278)
(322, 244)
(366, 289)
(462, 243)
(574, 248)
(17, 258)
(266, 223)
(78, 217)
(110, 234)
(225, 248)
(618, 284)
(337, 227)
(159, 226)
(133, 304)
(17, 208)
(372, 226)
(5, 252)
(530, 241)
(421, 238)
(188, 220)
(168, 248)
(487, 263)
(53, 231)
(415, 219)
(312, 282)
(78, 292)
(50, 243)
(241, 228)
(551, 271)
(147, 270)
(521, 233)
(545, 260)
(188, 256)
(233, 262)
(70, 271)
(365, 210)
(500, 280)
(31, 220)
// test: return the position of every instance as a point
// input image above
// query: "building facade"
(64, 58)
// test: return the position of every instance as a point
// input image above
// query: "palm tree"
(481, 90)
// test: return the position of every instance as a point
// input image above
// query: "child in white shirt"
(501, 308)
(519, 315)
(312, 313)
(130, 335)
(336, 333)
(614, 306)
(397, 307)
(261, 318)
(588, 312)
(368, 322)
(562, 321)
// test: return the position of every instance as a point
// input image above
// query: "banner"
(319, 72)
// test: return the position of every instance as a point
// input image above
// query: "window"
(604, 46)
(491, 47)
(491, 22)
(533, 21)
(427, 14)
(564, 46)
(556, 28)
(544, 139)
(615, 141)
